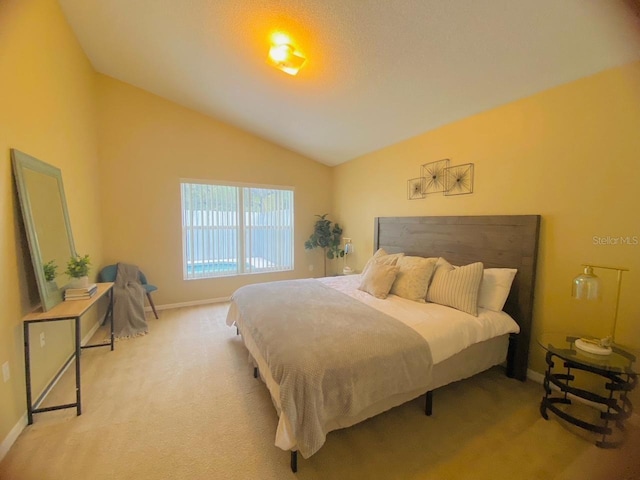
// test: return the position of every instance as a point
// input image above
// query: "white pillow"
(495, 287)
(413, 278)
(382, 257)
(456, 287)
(378, 278)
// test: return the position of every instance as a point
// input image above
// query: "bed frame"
(507, 241)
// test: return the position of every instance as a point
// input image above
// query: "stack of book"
(80, 293)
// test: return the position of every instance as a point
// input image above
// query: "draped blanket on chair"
(128, 303)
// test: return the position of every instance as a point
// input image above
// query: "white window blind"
(233, 230)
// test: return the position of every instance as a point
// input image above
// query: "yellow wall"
(122, 152)
(147, 145)
(56, 108)
(48, 111)
(570, 154)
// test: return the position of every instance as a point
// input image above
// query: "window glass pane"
(219, 240)
(268, 217)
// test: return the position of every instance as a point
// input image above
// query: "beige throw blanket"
(128, 303)
(331, 355)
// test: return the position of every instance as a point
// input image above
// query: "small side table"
(69, 310)
(617, 369)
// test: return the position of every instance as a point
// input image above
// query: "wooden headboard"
(507, 241)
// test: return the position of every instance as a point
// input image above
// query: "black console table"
(617, 371)
(69, 310)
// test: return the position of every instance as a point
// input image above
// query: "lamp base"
(347, 271)
(591, 346)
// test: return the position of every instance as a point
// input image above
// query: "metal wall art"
(439, 177)
(434, 177)
(459, 179)
(415, 188)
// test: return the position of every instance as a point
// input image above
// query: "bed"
(326, 369)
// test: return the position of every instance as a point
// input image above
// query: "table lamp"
(586, 286)
(348, 250)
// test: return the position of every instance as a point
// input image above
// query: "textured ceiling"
(378, 71)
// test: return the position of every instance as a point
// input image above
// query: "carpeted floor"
(181, 403)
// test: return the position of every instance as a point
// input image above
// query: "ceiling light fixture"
(284, 57)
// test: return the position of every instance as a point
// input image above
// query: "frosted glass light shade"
(586, 286)
(348, 250)
(284, 57)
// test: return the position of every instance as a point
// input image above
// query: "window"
(235, 229)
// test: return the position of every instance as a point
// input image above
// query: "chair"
(108, 274)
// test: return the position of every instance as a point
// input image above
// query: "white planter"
(80, 282)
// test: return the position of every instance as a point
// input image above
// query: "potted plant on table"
(326, 235)
(78, 270)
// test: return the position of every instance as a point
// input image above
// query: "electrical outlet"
(6, 373)
(42, 339)
(311, 268)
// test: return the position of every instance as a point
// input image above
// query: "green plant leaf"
(78, 266)
(326, 235)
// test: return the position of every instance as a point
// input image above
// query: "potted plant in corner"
(326, 235)
(49, 270)
(78, 270)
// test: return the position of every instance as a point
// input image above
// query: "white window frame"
(241, 224)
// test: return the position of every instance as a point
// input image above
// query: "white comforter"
(447, 330)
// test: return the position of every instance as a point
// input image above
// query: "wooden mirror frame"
(23, 165)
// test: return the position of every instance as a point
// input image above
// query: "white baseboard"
(88, 336)
(170, 306)
(13, 435)
(83, 341)
(17, 429)
(535, 376)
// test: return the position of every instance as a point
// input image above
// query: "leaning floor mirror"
(46, 220)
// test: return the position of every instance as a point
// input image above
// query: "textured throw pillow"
(456, 287)
(495, 287)
(378, 278)
(413, 277)
(382, 257)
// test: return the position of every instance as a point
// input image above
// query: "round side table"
(618, 372)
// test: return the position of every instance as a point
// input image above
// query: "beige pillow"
(382, 257)
(413, 278)
(378, 278)
(456, 287)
